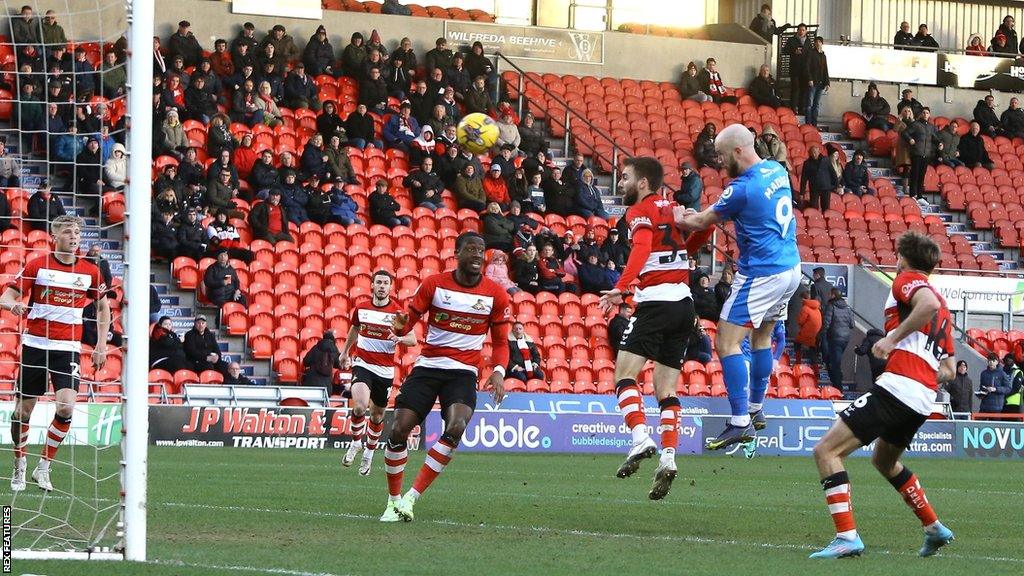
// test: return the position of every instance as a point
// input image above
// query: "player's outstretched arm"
(643, 239)
(346, 350)
(947, 369)
(689, 221)
(11, 300)
(924, 306)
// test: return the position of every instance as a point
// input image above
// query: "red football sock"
(439, 455)
(631, 403)
(358, 426)
(395, 457)
(19, 432)
(373, 430)
(837, 495)
(669, 422)
(909, 487)
(55, 435)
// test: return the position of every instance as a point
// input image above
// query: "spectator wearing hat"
(353, 56)
(495, 187)
(401, 129)
(975, 47)
(396, 77)
(691, 188)
(166, 351)
(88, 169)
(762, 88)
(615, 249)
(856, 177)
(329, 123)
(183, 43)
(907, 100)
(875, 108)
(299, 89)
(269, 220)
(923, 40)
(294, 197)
(201, 347)
(384, 208)
(769, 146)
(321, 361)
(221, 282)
(690, 87)
(994, 385)
(344, 209)
(876, 364)
(318, 56)
(284, 45)
(1004, 41)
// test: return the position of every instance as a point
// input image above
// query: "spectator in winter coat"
(856, 177)
(699, 347)
(469, 191)
(373, 92)
(903, 40)
(837, 325)
(907, 99)
(314, 159)
(550, 271)
(809, 322)
(43, 207)
(691, 188)
(318, 55)
(221, 282)
(817, 79)
(762, 88)
(329, 123)
(723, 288)
(588, 197)
(525, 269)
(222, 235)
(524, 362)
(972, 149)
(495, 187)
(321, 361)
(353, 56)
(439, 57)
(294, 198)
(360, 129)
(975, 47)
(299, 89)
(283, 45)
(244, 157)
(25, 29)
(615, 249)
(704, 148)
(592, 276)
(1012, 120)
(268, 219)
(875, 108)
(764, 25)
(558, 198)
(617, 326)
(425, 185)
(924, 41)
(115, 172)
(711, 83)
(166, 351)
(770, 147)
(477, 99)
(384, 208)
(947, 143)
(960, 389)
(264, 175)
(690, 86)
(405, 53)
(876, 364)
(201, 348)
(497, 229)
(508, 132)
(1008, 31)
(164, 236)
(183, 43)
(821, 288)
(401, 129)
(921, 137)
(985, 116)
(531, 137)
(219, 138)
(818, 177)
(704, 302)
(397, 78)
(497, 270)
(344, 209)
(234, 376)
(994, 384)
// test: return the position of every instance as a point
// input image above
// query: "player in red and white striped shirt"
(59, 286)
(918, 347)
(373, 367)
(663, 321)
(461, 308)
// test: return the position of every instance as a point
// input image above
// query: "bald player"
(760, 204)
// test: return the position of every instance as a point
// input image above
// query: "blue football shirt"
(760, 204)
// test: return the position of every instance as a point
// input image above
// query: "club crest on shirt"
(78, 282)
(479, 305)
(446, 298)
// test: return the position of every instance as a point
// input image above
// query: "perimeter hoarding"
(237, 427)
(975, 293)
(536, 43)
(981, 72)
(96, 424)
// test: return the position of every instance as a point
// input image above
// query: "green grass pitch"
(233, 511)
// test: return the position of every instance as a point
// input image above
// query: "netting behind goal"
(63, 119)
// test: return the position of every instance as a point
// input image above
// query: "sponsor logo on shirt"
(911, 286)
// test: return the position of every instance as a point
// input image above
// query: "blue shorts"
(759, 299)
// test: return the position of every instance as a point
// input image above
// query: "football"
(477, 132)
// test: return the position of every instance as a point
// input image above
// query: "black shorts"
(380, 388)
(61, 366)
(659, 331)
(879, 414)
(425, 385)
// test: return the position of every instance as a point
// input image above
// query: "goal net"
(70, 95)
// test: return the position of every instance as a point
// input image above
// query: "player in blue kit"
(759, 201)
